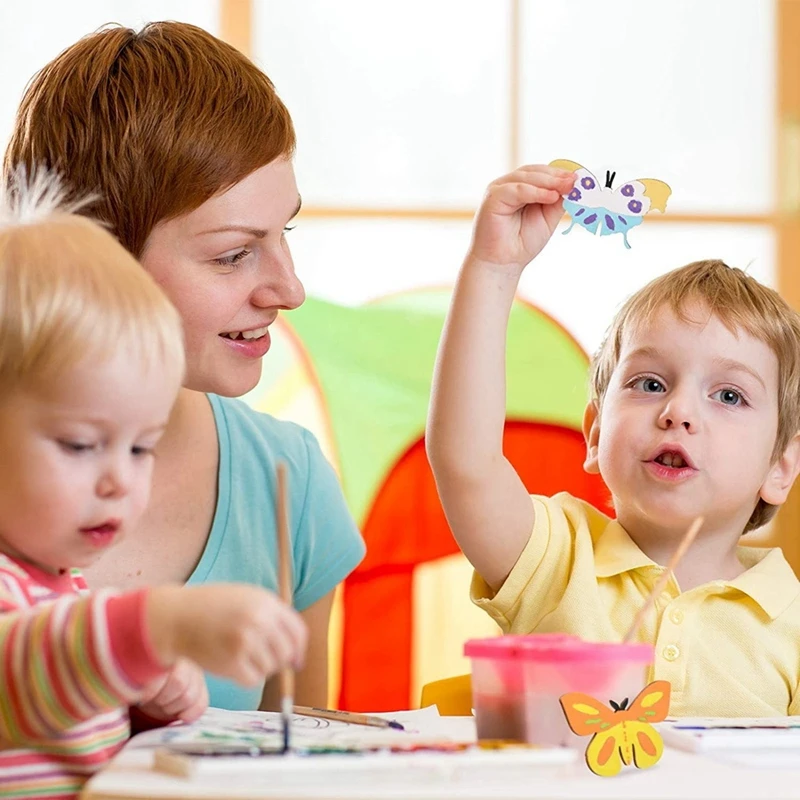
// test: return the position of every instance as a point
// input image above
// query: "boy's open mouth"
(675, 460)
(673, 457)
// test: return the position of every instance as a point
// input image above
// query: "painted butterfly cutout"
(623, 735)
(608, 210)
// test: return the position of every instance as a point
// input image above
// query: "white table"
(678, 775)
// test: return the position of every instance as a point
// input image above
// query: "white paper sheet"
(265, 729)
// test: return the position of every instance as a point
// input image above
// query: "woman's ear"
(782, 474)
(591, 433)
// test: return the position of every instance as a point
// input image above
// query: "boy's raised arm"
(487, 506)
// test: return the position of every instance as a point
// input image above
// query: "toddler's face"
(76, 460)
(688, 423)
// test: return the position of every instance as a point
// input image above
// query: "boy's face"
(76, 460)
(688, 425)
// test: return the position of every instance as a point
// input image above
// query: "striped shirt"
(70, 663)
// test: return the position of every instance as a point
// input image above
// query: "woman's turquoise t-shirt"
(326, 544)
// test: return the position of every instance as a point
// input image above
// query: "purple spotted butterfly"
(600, 208)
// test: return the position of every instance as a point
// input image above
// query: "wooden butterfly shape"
(608, 210)
(623, 735)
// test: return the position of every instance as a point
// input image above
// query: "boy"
(695, 412)
(91, 359)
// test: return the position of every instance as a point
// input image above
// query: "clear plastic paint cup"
(517, 682)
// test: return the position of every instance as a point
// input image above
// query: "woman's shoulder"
(248, 429)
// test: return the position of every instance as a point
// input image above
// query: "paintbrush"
(348, 716)
(285, 592)
(680, 551)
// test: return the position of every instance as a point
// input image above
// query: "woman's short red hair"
(154, 123)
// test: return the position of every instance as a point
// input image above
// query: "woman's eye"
(230, 261)
(729, 397)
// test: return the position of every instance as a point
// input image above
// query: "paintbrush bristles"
(679, 553)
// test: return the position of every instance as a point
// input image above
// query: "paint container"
(517, 682)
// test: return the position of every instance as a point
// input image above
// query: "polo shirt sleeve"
(540, 577)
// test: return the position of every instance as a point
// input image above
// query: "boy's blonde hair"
(740, 302)
(69, 291)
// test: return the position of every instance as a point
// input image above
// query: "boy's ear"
(591, 433)
(780, 478)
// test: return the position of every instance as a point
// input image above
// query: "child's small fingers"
(545, 180)
(196, 708)
(298, 630)
(173, 690)
(153, 689)
(294, 633)
(251, 670)
(515, 195)
(546, 169)
(177, 701)
(282, 647)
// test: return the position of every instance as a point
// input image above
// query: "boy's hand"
(234, 630)
(518, 215)
(181, 695)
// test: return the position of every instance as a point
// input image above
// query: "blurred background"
(404, 112)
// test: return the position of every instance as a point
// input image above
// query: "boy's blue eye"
(649, 385)
(728, 397)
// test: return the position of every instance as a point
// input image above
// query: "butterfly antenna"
(610, 178)
(624, 704)
(614, 705)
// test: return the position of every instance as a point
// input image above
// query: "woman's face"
(226, 267)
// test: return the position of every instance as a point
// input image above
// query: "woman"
(188, 150)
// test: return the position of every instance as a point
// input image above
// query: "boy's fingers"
(513, 196)
(561, 183)
(553, 213)
(546, 169)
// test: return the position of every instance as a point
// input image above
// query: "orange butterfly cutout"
(622, 735)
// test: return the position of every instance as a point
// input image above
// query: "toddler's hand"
(518, 215)
(180, 695)
(234, 630)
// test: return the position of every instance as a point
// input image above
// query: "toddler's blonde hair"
(69, 291)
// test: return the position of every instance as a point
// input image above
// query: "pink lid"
(556, 647)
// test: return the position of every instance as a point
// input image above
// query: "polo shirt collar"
(768, 579)
(615, 552)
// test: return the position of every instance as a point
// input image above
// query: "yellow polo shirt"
(728, 648)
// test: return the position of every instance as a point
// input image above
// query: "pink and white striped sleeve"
(62, 663)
